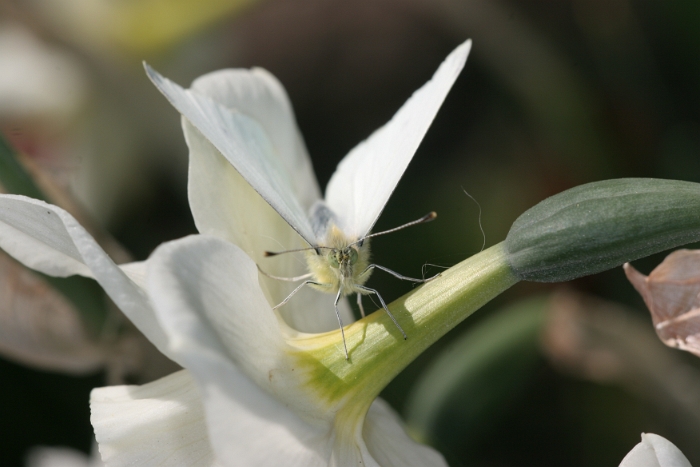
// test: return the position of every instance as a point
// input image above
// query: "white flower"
(265, 394)
(256, 389)
(42, 456)
(655, 451)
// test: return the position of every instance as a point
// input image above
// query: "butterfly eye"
(352, 255)
(333, 259)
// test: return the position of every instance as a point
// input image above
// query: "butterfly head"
(340, 262)
(343, 258)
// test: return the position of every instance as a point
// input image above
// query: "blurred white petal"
(389, 444)
(37, 80)
(655, 451)
(43, 456)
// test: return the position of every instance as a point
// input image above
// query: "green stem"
(378, 352)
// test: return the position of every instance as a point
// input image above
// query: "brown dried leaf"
(570, 347)
(39, 327)
(599, 340)
(603, 342)
(672, 294)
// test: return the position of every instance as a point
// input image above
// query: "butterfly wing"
(367, 176)
(258, 94)
(246, 145)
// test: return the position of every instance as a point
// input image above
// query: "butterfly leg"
(297, 290)
(381, 300)
(359, 305)
(340, 321)
(396, 274)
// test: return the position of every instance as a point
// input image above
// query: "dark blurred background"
(554, 94)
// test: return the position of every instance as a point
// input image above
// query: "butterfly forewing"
(259, 95)
(244, 143)
(367, 176)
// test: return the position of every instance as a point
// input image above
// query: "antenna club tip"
(267, 254)
(431, 215)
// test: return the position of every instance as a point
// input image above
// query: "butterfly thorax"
(339, 263)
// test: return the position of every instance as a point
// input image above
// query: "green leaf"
(13, 177)
(476, 376)
(85, 294)
(601, 225)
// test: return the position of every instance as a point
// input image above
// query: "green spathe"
(600, 225)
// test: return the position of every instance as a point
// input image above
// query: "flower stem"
(377, 349)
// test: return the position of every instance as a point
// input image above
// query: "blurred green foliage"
(85, 294)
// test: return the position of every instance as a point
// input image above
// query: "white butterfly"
(336, 229)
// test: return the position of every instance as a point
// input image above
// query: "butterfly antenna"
(288, 279)
(483, 234)
(267, 254)
(427, 218)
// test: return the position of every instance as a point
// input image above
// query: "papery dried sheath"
(671, 292)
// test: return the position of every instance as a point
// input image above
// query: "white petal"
(246, 145)
(313, 311)
(259, 95)
(389, 444)
(367, 176)
(205, 292)
(37, 235)
(265, 431)
(136, 271)
(206, 296)
(47, 238)
(655, 451)
(226, 206)
(158, 424)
